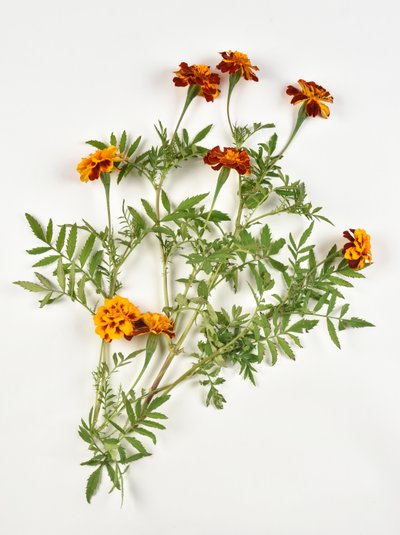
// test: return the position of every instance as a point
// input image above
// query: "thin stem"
(301, 116)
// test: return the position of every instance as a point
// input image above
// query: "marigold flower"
(231, 157)
(158, 324)
(358, 249)
(116, 319)
(314, 95)
(232, 62)
(198, 75)
(101, 161)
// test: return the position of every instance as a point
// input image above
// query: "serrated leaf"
(303, 325)
(113, 139)
(95, 261)
(129, 409)
(137, 444)
(266, 236)
(36, 227)
(122, 142)
(332, 332)
(46, 261)
(61, 238)
(133, 147)
(97, 144)
(306, 234)
(137, 217)
(156, 425)
(202, 134)
(38, 250)
(190, 202)
(340, 282)
(146, 433)
(81, 290)
(149, 210)
(202, 289)
(273, 350)
(93, 483)
(87, 249)
(45, 281)
(276, 246)
(49, 231)
(71, 242)
(354, 323)
(31, 286)
(165, 201)
(283, 344)
(61, 274)
(158, 401)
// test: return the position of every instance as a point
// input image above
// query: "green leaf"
(87, 249)
(306, 234)
(38, 250)
(128, 408)
(97, 144)
(277, 265)
(113, 139)
(93, 483)
(276, 246)
(352, 273)
(49, 231)
(81, 290)
(61, 238)
(137, 444)
(46, 282)
(303, 325)
(31, 286)
(71, 242)
(202, 134)
(165, 201)
(332, 332)
(122, 142)
(133, 147)
(147, 433)
(283, 344)
(202, 289)
(36, 227)
(112, 474)
(158, 401)
(137, 217)
(156, 425)
(340, 282)
(190, 202)
(95, 261)
(266, 236)
(149, 210)
(46, 261)
(354, 323)
(157, 415)
(60, 274)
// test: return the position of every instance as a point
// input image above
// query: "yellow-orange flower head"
(158, 324)
(314, 95)
(101, 161)
(232, 62)
(237, 159)
(201, 76)
(116, 319)
(358, 249)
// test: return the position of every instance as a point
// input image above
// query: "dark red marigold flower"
(232, 62)
(237, 159)
(358, 249)
(198, 75)
(313, 94)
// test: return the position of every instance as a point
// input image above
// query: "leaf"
(158, 401)
(202, 134)
(303, 325)
(36, 227)
(31, 286)
(60, 274)
(222, 178)
(46, 261)
(87, 249)
(277, 265)
(352, 273)
(137, 444)
(112, 474)
(332, 332)
(340, 282)
(286, 347)
(266, 236)
(133, 147)
(355, 323)
(202, 289)
(165, 201)
(71, 242)
(190, 202)
(149, 210)
(61, 238)
(97, 144)
(129, 410)
(156, 425)
(113, 139)
(276, 246)
(93, 483)
(272, 143)
(95, 261)
(273, 350)
(137, 217)
(46, 282)
(81, 290)
(38, 250)
(306, 234)
(49, 231)
(122, 142)
(147, 433)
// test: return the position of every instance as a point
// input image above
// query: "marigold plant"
(292, 288)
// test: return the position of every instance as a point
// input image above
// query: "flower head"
(158, 324)
(231, 157)
(314, 95)
(201, 76)
(232, 62)
(101, 161)
(358, 249)
(116, 319)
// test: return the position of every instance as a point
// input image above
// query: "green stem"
(301, 117)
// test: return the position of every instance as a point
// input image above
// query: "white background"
(314, 448)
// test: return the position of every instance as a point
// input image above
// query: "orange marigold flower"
(116, 319)
(101, 161)
(358, 249)
(158, 324)
(231, 157)
(232, 62)
(198, 75)
(314, 95)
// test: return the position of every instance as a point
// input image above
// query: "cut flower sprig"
(234, 250)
